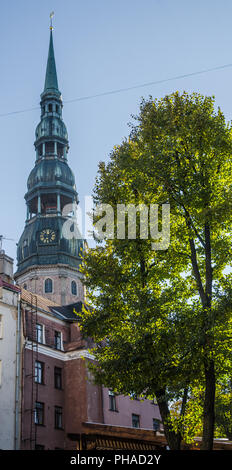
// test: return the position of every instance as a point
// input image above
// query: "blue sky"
(99, 46)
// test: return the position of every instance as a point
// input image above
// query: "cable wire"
(121, 90)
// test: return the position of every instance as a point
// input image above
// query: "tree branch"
(197, 272)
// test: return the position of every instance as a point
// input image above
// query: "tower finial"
(51, 83)
(51, 16)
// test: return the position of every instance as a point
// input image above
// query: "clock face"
(47, 236)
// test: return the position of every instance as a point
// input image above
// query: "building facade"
(10, 357)
(59, 396)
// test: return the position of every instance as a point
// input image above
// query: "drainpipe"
(18, 377)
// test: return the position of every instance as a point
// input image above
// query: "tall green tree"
(162, 318)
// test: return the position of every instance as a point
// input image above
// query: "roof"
(51, 82)
(9, 286)
(65, 312)
(35, 299)
(51, 172)
(68, 310)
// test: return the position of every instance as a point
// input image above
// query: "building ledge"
(9, 286)
(108, 437)
(110, 429)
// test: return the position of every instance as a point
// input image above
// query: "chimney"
(6, 267)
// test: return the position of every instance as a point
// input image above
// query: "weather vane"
(51, 16)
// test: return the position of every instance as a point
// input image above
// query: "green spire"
(51, 82)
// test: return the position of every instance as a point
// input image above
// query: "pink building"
(59, 398)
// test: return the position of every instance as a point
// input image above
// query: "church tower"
(48, 262)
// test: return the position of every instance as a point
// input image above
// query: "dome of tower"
(51, 171)
(51, 125)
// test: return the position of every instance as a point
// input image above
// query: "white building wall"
(8, 313)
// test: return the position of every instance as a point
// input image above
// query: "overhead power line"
(121, 90)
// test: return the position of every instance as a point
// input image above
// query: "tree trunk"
(206, 298)
(209, 403)
(173, 439)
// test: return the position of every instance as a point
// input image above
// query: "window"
(135, 421)
(57, 338)
(39, 333)
(57, 108)
(25, 248)
(58, 377)
(39, 372)
(112, 401)
(39, 413)
(58, 417)
(156, 424)
(25, 286)
(1, 326)
(48, 286)
(49, 147)
(74, 288)
(60, 150)
(50, 108)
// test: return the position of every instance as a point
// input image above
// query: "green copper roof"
(51, 171)
(51, 82)
(32, 252)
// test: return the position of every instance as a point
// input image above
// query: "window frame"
(58, 373)
(112, 401)
(74, 283)
(45, 284)
(41, 372)
(157, 422)
(41, 333)
(38, 413)
(133, 416)
(58, 415)
(56, 333)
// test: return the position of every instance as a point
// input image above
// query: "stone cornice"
(60, 355)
